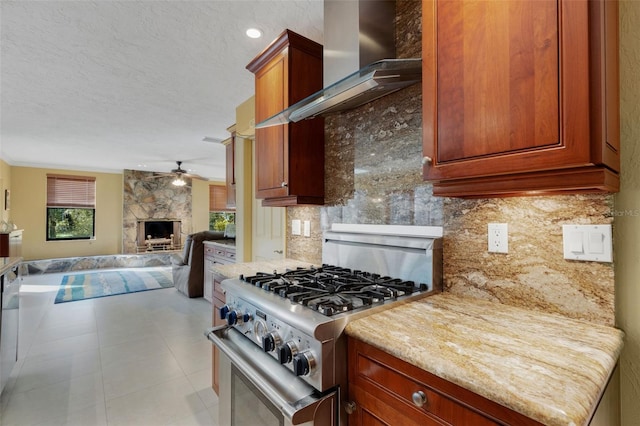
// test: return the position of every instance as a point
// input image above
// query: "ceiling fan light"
(178, 182)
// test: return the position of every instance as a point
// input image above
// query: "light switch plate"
(295, 227)
(591, 243)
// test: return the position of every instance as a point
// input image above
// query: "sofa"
(188, 271)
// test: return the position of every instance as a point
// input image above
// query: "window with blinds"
(218, 198)
(219, 215)
(71, 205)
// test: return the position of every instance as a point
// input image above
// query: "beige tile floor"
(136, 359)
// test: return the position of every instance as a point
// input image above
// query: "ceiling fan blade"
(194, 176)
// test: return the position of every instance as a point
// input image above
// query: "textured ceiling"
(107, 86)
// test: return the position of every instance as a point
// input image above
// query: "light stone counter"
(7, 263)
(252, 268)
(547, 367)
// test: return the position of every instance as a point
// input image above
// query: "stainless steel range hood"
(359, 42)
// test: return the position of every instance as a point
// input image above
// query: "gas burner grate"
(332, 289)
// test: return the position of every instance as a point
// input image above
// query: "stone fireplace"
(153, 200)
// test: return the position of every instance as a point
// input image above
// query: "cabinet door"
(271, 142)
(497, 77)
(231, 172)
(518, 87)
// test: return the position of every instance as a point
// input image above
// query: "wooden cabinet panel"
(497, 83)
(289, 157)
(11, 244)
(520, 89)
(230, 162)
(383, 389)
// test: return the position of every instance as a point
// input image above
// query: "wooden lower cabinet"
(389, 391)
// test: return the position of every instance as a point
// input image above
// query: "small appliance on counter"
(230, 230)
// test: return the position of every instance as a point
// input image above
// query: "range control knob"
(270, 341)
(224, 310)
(246, 317)
(233, 317)
(303, 363)
(286, 352)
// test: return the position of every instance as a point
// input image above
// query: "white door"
(268, 231)
(269, 228)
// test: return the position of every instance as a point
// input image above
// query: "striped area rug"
(109, 283)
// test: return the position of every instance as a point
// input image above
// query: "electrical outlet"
(498, 238)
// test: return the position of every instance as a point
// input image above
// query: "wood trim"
(292, 200)
(286, 39)
(552, 182)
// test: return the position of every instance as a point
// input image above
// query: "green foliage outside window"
(219, 220)
(70, 223)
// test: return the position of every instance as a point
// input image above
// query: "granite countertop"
(227, 242)
(234, 270)
(547, 367)
(6, 263)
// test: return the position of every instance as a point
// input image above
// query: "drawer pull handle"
(419, 398)
(350, 407)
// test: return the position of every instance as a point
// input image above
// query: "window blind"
(71, 191)
(218, 198)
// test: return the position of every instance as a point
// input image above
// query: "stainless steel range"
(284, 353)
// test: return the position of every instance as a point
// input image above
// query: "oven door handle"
(296, 399)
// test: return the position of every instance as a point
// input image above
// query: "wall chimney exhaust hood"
(359, 42)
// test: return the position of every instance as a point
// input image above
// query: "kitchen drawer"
(220, 254)
(230, 254)
(384, 386)
(209, 251)
(217, 288)
(404, 388)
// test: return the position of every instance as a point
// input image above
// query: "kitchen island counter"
(8, 263)
(550, 368)
(252, 268)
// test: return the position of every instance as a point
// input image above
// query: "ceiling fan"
(179, 174)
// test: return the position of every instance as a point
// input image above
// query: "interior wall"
(200, 204)
(627, 211)
(28, 212)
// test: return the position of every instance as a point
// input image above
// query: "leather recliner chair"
(188, 272)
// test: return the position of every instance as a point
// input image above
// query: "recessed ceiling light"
(254, 33)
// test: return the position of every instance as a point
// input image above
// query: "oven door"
(256, 390)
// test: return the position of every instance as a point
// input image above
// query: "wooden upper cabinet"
(289, 158)
(230, 162)
(520, 97)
